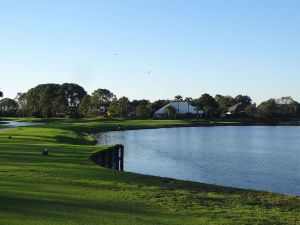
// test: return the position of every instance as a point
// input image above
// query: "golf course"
(67, 188)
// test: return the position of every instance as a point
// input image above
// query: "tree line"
(71, 100)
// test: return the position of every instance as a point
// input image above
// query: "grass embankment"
(2, 124)
(67, 188)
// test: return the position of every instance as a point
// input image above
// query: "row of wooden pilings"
(112, 158)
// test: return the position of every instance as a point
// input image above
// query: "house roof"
(237, 108)
(284, 100)
(184, 107)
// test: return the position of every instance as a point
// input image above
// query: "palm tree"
(206, 111)
(198, 108)
(170, 111)
(189, 100)
(178, 98)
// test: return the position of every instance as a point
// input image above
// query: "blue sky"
(191, 47)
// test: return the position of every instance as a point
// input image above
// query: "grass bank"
(67, 188)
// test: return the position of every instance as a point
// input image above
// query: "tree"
(49, 92)
(135, 103)
(114, 109)
(297, 113)
(71, 95)
(85, 106)
(33, 101)
(189, 100)
(124, 104)
(251, 110)
(208, 103)
(46, 100)
(158, 105)
(294, 108)
(198, 108)
(22, 102)
(142, 111)
(170, 111)
(178, 98)
(119, 108)
(101, 99)
(267, 109)
(243, 98)
(40, 99)
(8, 107)
(1, 94)
(224, 101)
(59, 107)
(287, 107)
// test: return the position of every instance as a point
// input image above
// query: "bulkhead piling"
(112, 158)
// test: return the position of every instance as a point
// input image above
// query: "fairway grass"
(66, 188)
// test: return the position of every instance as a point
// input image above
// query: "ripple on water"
(256, 157)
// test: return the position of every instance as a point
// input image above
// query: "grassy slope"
(66, 188)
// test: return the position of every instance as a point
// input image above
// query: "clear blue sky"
(191, 47)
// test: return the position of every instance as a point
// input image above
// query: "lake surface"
(20, 124)
(255, 157)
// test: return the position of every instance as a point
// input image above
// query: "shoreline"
(94, 136)
(211, 124)
(68, 170)
(195, 182)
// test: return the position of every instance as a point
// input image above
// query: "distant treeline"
(71, 100)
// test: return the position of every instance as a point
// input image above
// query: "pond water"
(255, 157)
(20, 124)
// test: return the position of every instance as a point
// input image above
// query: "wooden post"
(121, 158)
(106, 159)
(98, 159)
(103, 163)
(112, 158)
(110, 151)
(117, 163)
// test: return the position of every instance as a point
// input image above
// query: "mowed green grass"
(67, 188)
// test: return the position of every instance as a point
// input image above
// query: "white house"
(181, 108)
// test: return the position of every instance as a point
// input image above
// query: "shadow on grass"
(58, 205)
(74, 140)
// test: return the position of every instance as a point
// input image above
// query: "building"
(286, 105)
(180, 109)
(237, 109)
(285, 101)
